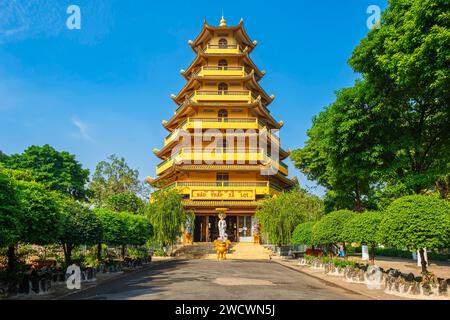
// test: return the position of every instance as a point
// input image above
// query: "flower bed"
(39, 280)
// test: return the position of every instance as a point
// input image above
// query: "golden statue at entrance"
(222, 248)
(188, 239)
(222, 243)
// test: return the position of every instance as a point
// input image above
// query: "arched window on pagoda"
(223, 43)
(223, 64)
(222, 87)
(222, 113)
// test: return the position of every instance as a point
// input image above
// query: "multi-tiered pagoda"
(222, 152)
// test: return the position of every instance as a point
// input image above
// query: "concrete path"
(208, 279)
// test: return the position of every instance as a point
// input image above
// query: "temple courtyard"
(209, 279)
(250, 272)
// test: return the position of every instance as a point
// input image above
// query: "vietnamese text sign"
(222, 195)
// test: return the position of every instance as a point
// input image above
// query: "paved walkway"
(206, 279)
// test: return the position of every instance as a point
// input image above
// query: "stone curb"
(106, 281)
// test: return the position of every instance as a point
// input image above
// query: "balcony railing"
(220, 71)
(218, 95)
(222, 68)
(222, 95)
(222, 184)
(220, 155)
(168, 159)
(222, 48)
(223, 92)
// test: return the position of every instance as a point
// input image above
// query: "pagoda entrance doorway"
(200, 226)
(239, 228)
(214, 230)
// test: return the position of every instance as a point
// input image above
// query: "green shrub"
(398, 253)
(416, 222)
(363, 228)
(328, 230)
(303, 234)
(159, 253)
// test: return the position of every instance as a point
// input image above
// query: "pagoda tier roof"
(249, 79)
(171, 173)
(162, 153)
(201, 59)
(207, 33)
(219, 203)
(184, 112)
(205, 211)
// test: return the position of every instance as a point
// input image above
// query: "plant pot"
(283, 250)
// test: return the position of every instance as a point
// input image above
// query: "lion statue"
(221, 248)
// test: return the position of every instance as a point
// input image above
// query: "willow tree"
(280, 214)
(167, 216)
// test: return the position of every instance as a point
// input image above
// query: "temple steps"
(237, 251)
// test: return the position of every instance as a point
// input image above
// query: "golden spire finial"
(223, 22)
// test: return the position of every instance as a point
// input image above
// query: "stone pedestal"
(365, 252)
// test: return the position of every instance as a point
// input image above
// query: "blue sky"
(105, 89)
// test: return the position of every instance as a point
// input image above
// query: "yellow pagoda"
(222, 152)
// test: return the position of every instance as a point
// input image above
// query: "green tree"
(58, 171)
(10, 216)
(303, 234)
(406, 62)
(345, 151)
(167, 216)
(80, 227)
(329, 230)
(41, 210)
(3, 157)
(416, 222)
(114, 228)
(114, 177)
(389, 134)
(123, 228)
(363, 228)
(36, 213)
(139, 230)
(279, 215)
(125, 201)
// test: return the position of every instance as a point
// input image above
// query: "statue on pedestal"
(188, 232)
(222, 224)
(222, 243)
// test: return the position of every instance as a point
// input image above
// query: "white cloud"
(83, 129)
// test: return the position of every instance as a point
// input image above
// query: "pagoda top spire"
(223, 22)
